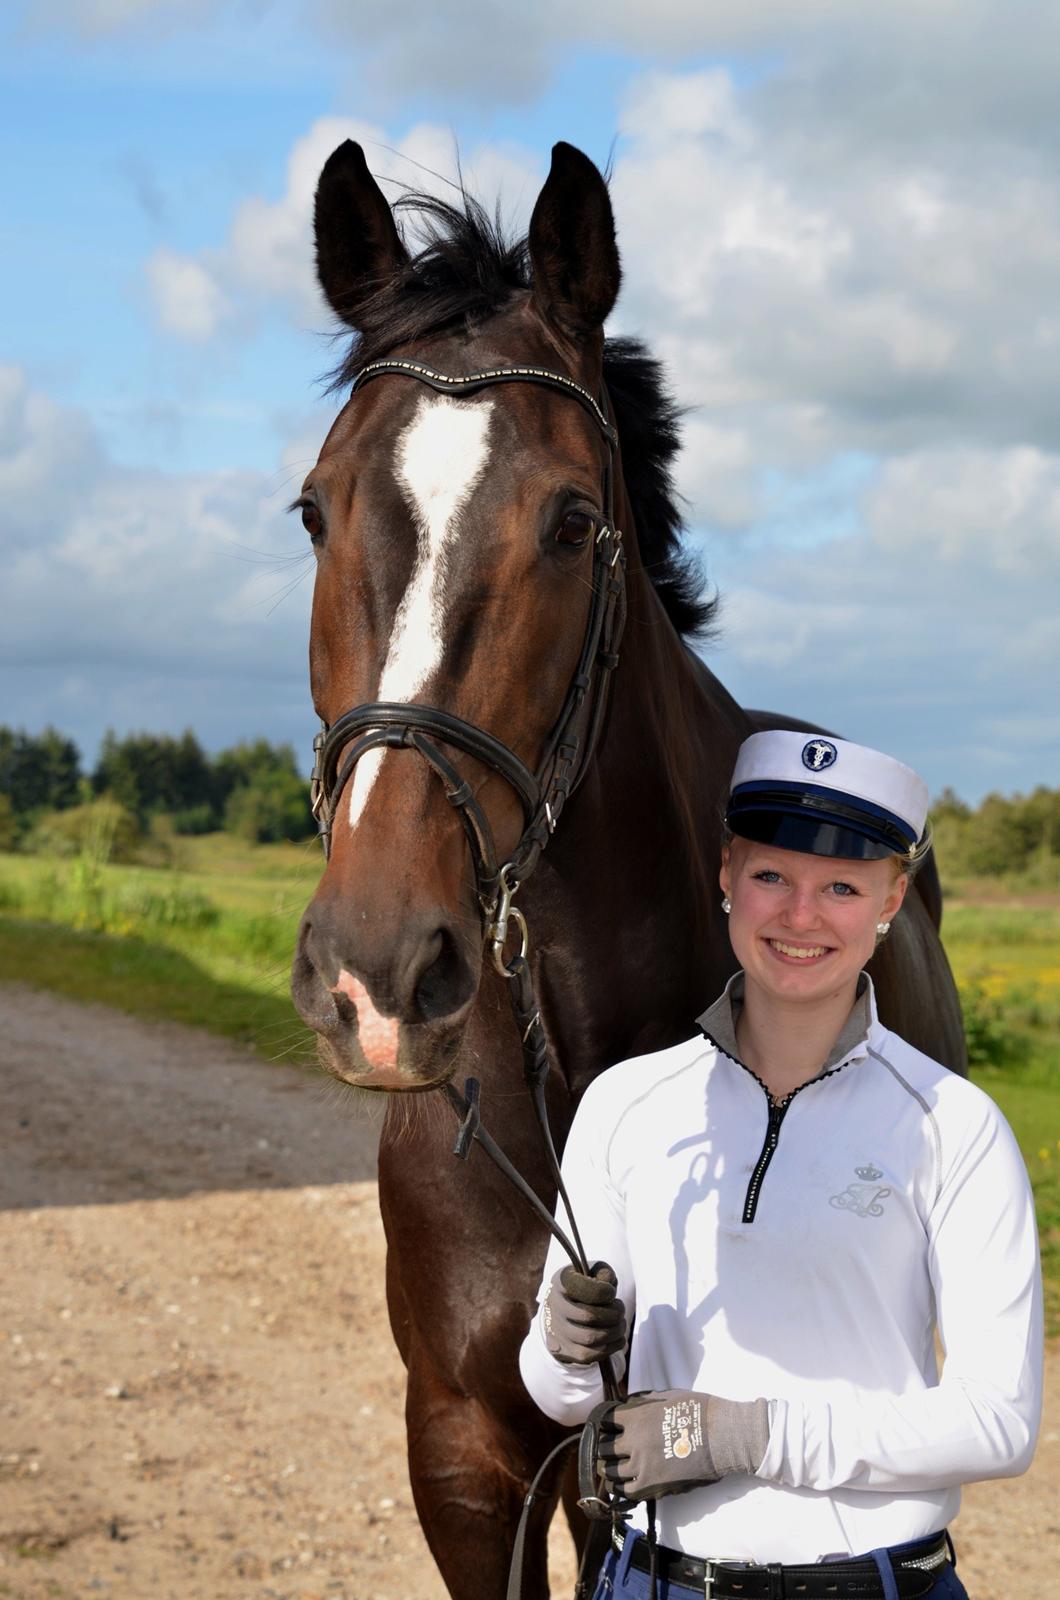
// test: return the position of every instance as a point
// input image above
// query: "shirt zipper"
(777, 1108)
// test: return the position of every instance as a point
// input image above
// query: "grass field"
(209, 942)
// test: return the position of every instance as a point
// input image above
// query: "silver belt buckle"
(711, 1567)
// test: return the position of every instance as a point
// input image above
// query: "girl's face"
(803, 926)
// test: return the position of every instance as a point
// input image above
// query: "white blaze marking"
(438, 461)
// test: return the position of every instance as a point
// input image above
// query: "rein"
(542, 795)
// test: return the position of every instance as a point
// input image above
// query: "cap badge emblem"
(870, 1172)
(819, 754)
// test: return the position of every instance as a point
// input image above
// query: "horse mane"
(469, 269)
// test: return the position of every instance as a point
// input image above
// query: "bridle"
(568, 752)
(575, 733)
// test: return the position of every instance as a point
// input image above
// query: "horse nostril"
(446, 984)
(309, 993)
(346, 1009)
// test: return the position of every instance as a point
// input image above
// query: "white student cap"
(827, 797)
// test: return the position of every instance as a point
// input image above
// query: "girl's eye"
(844, 890)
(768, 876)
(577, 528)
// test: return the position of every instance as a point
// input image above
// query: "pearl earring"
(726, 905)
(882, 928)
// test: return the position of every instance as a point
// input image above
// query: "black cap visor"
(819, 821)
(814, 835)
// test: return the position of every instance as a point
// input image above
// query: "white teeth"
(801, 953)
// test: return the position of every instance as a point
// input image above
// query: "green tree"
(38, 771)
(8, 823)
(271, 806)
(996, 839)
(253, 759)
(150, 773)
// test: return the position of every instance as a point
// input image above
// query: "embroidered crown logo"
(864, 1199)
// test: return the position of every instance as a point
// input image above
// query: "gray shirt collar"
(718, 1022)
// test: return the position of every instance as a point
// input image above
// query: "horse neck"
(625, 900)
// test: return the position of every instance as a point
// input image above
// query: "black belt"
(915, 1570)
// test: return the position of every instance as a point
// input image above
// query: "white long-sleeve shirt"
(806, 1254)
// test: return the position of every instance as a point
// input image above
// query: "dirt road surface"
(200, 1399)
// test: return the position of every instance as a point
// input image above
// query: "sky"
(840, 230)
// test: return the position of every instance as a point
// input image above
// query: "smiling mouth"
(798, 952)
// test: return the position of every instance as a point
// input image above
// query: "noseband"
(575, 733)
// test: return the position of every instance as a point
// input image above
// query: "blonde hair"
(912, 861)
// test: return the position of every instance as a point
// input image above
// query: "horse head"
(455, 535)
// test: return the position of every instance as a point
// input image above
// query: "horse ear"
(572, 245)
(358, 245)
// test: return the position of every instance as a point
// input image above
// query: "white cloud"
(94, 19)
(928, 631)
(997, 510)
(48, 455)
(903, 303)
(714, 473)
(267, 258)
(188, 298)
(155, 571)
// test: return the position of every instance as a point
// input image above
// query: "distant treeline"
(1003, 835)
(254, 789)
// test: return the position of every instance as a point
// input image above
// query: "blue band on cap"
(815, 798)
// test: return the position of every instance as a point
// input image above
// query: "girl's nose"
(802, 910)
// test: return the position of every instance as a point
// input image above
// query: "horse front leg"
(470, 1470)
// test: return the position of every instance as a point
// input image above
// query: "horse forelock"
(469, 271)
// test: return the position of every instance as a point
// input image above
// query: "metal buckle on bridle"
(503, 912)
(318, 800)
(615, 534)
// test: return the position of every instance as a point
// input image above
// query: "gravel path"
(200, 1398)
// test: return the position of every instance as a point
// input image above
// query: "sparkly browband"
(443, 381)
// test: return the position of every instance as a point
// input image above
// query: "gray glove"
(583, 1319)
(675, 1439)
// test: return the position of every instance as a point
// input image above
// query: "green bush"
(11, 897)
(257, 936)
(103, 829)
(993, 1040)
(8, 824)
(1001, 1029)
(195, 820)
(269, 808)
(171, 907)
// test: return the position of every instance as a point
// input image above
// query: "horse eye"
(577, 528)
(312, 521)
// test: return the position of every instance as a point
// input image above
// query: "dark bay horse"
(455, 536)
